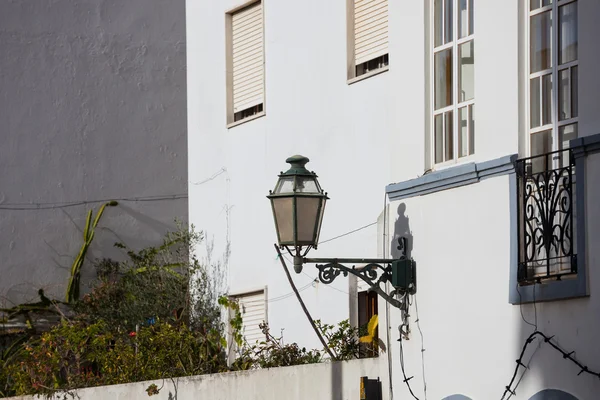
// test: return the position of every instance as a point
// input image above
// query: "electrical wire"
(288, 295)
(347, 233)
(406, 380)
(422, 348)
(65, 204)
(58, 205)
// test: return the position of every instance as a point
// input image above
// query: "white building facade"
(447, 99)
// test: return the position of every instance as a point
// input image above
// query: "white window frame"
(230, 115)
(553, 71)
(350, 48)
(232, 348)
(455, 106)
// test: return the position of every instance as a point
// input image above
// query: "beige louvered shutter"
(370, 29)
(248, 62)
(253, 310)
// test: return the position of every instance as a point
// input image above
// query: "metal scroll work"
(373, 273)
(545, 215)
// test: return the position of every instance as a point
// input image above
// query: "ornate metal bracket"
(375, 273)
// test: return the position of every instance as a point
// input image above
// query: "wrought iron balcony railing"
(546, 207)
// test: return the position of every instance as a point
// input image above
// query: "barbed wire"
(547, 339)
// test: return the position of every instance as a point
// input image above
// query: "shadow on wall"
(399, 247)
(548, 394)
(337, 380)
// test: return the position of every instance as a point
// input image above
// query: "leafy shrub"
(273, 353)
(75, 355)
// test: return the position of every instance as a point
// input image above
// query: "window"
(553, 75)
(367, 308)
(245, 63)
(367, 37)
(253, 307)
(453, 98)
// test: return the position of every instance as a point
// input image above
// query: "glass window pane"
(463, 132)
(448, 21)
(463, 19)
(443, 78)
(547, 99)
(540, 42)
(437, 23)
(567, 35)
(466, 131)
(566, 133)
(466, 58)
(564, 94)
(541, 143)
(534, 4)
(448, 136)
(471, 18)
(534, 103)
(439, 139)
(472, 129)
(574, 92)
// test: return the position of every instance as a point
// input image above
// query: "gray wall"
(92, 106)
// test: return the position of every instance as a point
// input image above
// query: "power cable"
(406, 380)
(65, 204)
(422, 349)
(347, 233)
(58, 205)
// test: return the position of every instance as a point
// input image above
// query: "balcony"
(546, 217)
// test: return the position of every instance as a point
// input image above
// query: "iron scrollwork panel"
(546, 207)
(375, 275)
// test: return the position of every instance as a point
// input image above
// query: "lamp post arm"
(331, 268)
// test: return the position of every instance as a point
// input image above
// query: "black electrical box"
(404, 275)
(370, 389)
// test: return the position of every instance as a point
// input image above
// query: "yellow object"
(371, 326)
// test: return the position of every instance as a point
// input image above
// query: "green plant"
(343, 339)
(72, 294)
(273, 353)
(75, 355)
(162, 282)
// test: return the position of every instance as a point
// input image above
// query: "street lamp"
(298, 202)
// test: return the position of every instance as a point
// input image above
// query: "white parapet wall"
(324, 381)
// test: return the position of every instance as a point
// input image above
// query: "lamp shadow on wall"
(399, 247)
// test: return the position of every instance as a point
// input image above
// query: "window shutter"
(370, 29)
(252, 307)
(248, 59)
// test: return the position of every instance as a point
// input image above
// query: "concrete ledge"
(586, 144)
(460, 175)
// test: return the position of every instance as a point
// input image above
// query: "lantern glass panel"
(284, 218)
(285, 185)
(308, 217)
(306, 184)
(320, 221)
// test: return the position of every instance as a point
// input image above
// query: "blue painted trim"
(457, 397)
(552, 394)
(589, 144)
(566, 288)
(460, 175)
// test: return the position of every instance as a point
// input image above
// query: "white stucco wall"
(92, 106)
(335, 381)
(364, 136)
